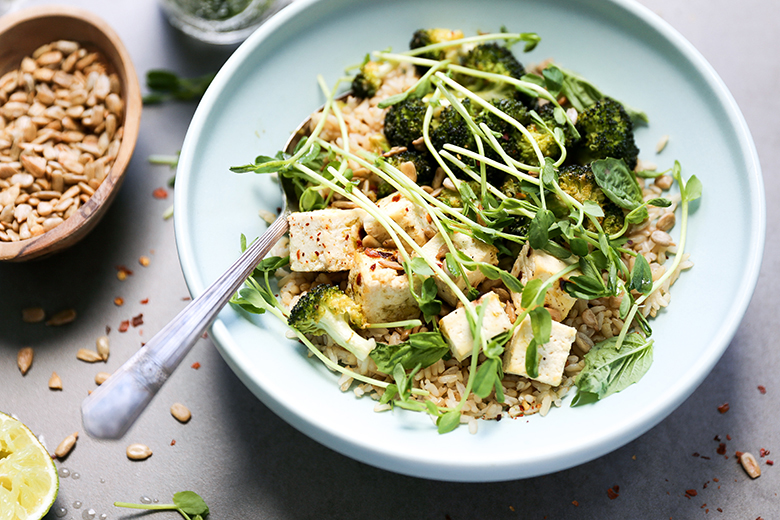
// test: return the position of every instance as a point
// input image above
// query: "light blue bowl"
(268, 86)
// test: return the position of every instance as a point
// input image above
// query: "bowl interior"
(21, 34)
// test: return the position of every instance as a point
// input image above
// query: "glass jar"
(220, 21)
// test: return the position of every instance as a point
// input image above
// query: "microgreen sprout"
(187, 503)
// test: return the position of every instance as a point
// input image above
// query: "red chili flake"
(186, 298)
(160, 193)
(205, 335)
(511, 508)
(173, 442)
(703, 505)
(119, 301)
(721, 449)
(144, 301)
(723, 408)
(196, 365)
(616, 488)
(124, 325)
(576, 504)
(738, 454)
(696, 454)
(770, 462)
(728, 437)
(717, 438)
(705, 457)
(138, 320)
(720, 510)
(612, 494)
(691, 492)
(108, 330)
(716, 480)
(763, 452)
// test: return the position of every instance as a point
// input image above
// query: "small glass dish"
(220, 21)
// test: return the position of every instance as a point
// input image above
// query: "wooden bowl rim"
(89, 211)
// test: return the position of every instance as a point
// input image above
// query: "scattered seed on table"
(138, 452)
(62, 318)
(66, 445)
(119, 301)
(103, 347)
(723, 408)
(55, 383)
(101, 377)
(144, 261)
(181, 412)
(762, 389)
(24, 359)
(144, 301)
(750, 464)
(90, 356)
(124, 325)
(33, 315)
(196, 365)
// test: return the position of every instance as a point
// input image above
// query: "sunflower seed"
(24, 359)
(33, 315)
(181, 412)
(62, 317)
(750, 464)
(102, 347)
(55, 383)
(66, 445)
(90, 356)
(138, 452)
(101, 377)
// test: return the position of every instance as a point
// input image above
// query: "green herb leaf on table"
(188, 504)
(165, 85)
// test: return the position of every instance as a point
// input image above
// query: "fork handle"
(113, 407)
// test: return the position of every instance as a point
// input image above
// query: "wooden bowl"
(21, 33)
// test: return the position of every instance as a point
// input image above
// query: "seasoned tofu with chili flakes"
(410, 217)
(325, 239)
(381, 288)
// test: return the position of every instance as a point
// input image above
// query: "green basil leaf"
(608, 370)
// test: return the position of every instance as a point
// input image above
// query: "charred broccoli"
(580, 183)
(422, 161)
(327, 310)
(607, 131)
(449, 127)
(404, 122)
(425, 37)
(493, 58)
(368, 80)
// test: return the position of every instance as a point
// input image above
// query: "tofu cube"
(533, 264)
(382, 292)
(435, 249)
(455, 326)
(554, 353)
(324, 240)
(410, 217)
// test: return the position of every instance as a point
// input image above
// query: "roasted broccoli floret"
(422, 161)
(327, 310)
(425, 37)
(580, 183)
(492, 58)
(606, 131)
(450, 198)
(368, 80)
(404, 122)
(512, 187)
(449, 127)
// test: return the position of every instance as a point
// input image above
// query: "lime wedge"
(28, 476)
